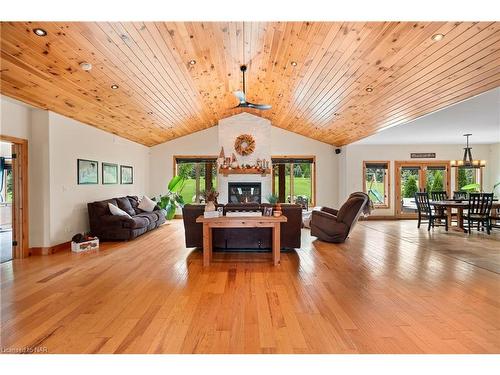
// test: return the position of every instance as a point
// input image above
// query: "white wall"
(352, 178)
(493, 168)
(71, 140)
(284, 142)
(57, 204)
(161, 156)
(15, 118)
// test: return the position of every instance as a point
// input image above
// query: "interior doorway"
(13, 198)
(6, 198)
(414, 176)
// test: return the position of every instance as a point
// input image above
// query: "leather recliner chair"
(333, 225)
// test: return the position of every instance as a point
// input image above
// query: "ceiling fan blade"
(258, 106)
(240, 95)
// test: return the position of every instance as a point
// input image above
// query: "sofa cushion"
(147, 204)
(125, 205)
(136, 222)
(349, 210)
(101, 208)
(117, 211)
(150, 216)
(134, 202)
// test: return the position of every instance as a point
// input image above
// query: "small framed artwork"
(268, 211)
(109, 173)
(87, 172)
(126, 175)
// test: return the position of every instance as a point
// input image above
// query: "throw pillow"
(116, 211)
(146, 204)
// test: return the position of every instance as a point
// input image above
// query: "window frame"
(194, 158)
(312, 203)
(387, 182)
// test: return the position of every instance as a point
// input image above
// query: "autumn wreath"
(244, 144)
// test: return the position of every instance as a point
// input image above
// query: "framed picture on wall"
(126, 174)
(109, 173)
(87, 172)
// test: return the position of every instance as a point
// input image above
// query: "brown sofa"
(112, 228)
(243, 238)
(332, 225)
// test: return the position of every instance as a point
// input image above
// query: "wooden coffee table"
(241, 222)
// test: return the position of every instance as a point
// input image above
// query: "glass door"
(409, 178)
(435, 178)
(412, 177)
(6, 199)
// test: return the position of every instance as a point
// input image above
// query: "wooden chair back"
(459, 195)
(422, 201)
(439, 195)
(480, 203)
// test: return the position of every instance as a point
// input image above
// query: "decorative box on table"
(79, 247)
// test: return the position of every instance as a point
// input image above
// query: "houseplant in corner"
(173, 199)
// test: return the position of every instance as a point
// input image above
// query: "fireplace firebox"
(244, 192)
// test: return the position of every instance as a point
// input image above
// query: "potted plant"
(173, 199)
(210, 196)
(471, 188)
(272, 198)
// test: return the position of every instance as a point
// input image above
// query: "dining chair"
(425, 211)
(478, 210)
(495, 218)
(439, 195)
(459, 195)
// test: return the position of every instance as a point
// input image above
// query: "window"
(200, 173)
(467, 176)
(294, 179)
(376, 182)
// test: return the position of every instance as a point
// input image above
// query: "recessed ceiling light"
(192, 62)
(40, 32)
(280, 95)
(437, 37)
(294, 63)
(369, 89)
(114, 86)
(86, 66)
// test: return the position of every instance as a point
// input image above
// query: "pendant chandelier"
(467, 161)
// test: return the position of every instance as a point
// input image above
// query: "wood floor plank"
(390, 288)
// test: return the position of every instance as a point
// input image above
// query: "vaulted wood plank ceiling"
(350, 79)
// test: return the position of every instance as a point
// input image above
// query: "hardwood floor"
(389, 289)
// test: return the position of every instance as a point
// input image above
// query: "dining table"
(460, 206)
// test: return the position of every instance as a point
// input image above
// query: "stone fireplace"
(244, 192)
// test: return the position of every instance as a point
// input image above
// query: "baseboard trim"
(381, 217)
(65, 246)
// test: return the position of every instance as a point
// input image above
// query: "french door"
(412, 177)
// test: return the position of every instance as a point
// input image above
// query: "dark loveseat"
(109, 227)
(243, 238)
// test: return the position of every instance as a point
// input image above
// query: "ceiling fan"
(241, 96)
